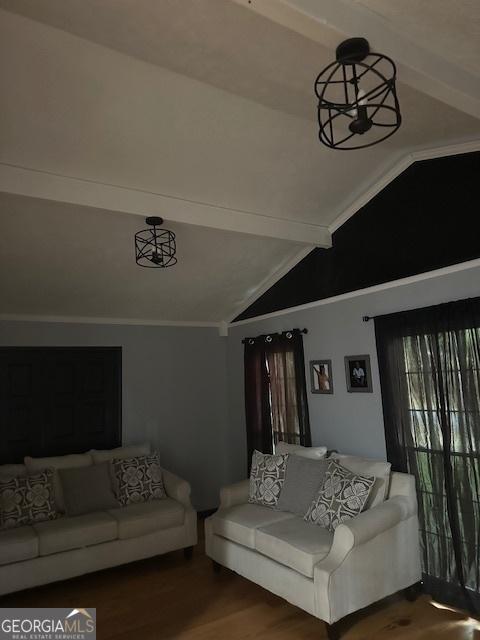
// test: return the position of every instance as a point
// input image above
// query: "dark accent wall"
(55, 400)
(427, 218)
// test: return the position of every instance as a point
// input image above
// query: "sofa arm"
(177, 488)
(372, 556)
(234, 494)
(367, 525)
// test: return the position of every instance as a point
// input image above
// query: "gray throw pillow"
(139, 479)
(27, 499)
(342, 496)
(266, 478)
(87, 489)
(303, 479)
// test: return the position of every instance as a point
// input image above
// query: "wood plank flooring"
(169, 597)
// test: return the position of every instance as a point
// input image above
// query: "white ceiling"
(202, 112)
(65, 260)
(450, 28)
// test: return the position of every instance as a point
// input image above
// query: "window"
(429, 362)
(447, 362)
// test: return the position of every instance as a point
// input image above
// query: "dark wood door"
(57, 400)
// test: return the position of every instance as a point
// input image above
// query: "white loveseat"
(73, 546)
(330, 575)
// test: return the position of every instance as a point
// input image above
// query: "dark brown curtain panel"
(257, 405)
(275, 391)
(429, 362)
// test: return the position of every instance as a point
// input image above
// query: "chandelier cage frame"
(359, 108)
(155, 248)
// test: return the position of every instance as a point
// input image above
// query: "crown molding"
(269, 281)
(36, 183)
(406, 161)
(463, 266)
(7, 317)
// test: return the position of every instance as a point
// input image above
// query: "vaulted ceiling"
(202, 112)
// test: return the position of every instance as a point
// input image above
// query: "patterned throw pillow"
(342, 497)
(139, 479)
(27, 500)
(266, 478)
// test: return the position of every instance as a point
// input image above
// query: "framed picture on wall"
(358, 374)
(321, 378)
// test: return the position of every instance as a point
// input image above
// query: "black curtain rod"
(276, 334)
(367, 318)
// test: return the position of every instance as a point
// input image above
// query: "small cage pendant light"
(357, 99)
(155, 248)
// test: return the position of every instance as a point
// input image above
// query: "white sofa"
(330, 575)
(73, 546)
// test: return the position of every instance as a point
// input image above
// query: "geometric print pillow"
(342, 497)
(139, 479)
(267, 476)
(27, 500)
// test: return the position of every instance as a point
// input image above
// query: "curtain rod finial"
(366, 318)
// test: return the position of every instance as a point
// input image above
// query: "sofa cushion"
(380, 469)
(18, 544)
(73, 533)
(130, 451)
(316, 453)
(294, 543)
(140, 519)
(238, 523)
(27, 499)
(266, 478)
(87, 489)
(58, 462)
(12, 470)
(138, 479)
(303, 479)
(342, 496)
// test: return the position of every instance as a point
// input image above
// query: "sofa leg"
(188, 553)
(333, 632)
(216, 566)
(411, 593)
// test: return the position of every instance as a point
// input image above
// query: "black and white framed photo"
(358, 374)
(321, 377)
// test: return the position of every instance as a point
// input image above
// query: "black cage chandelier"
(155, 248)
(357, 100)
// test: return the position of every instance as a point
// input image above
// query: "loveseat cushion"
(138, 479)
(238, 523)
(27, 499)
(266, 478)
(87, 489)
(12, 470)
(73, 533)
(303, 479)
(18, 544)
(120, 453)
(315, 453)
(380, 469)
(140, 519)
(342, 496)
(294, 543)
(71, 461)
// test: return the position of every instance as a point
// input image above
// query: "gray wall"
(174, 390)
(349, 422)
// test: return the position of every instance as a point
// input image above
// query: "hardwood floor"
(170, 597)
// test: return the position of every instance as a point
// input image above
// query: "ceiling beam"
(329, 21)
(50, 186)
